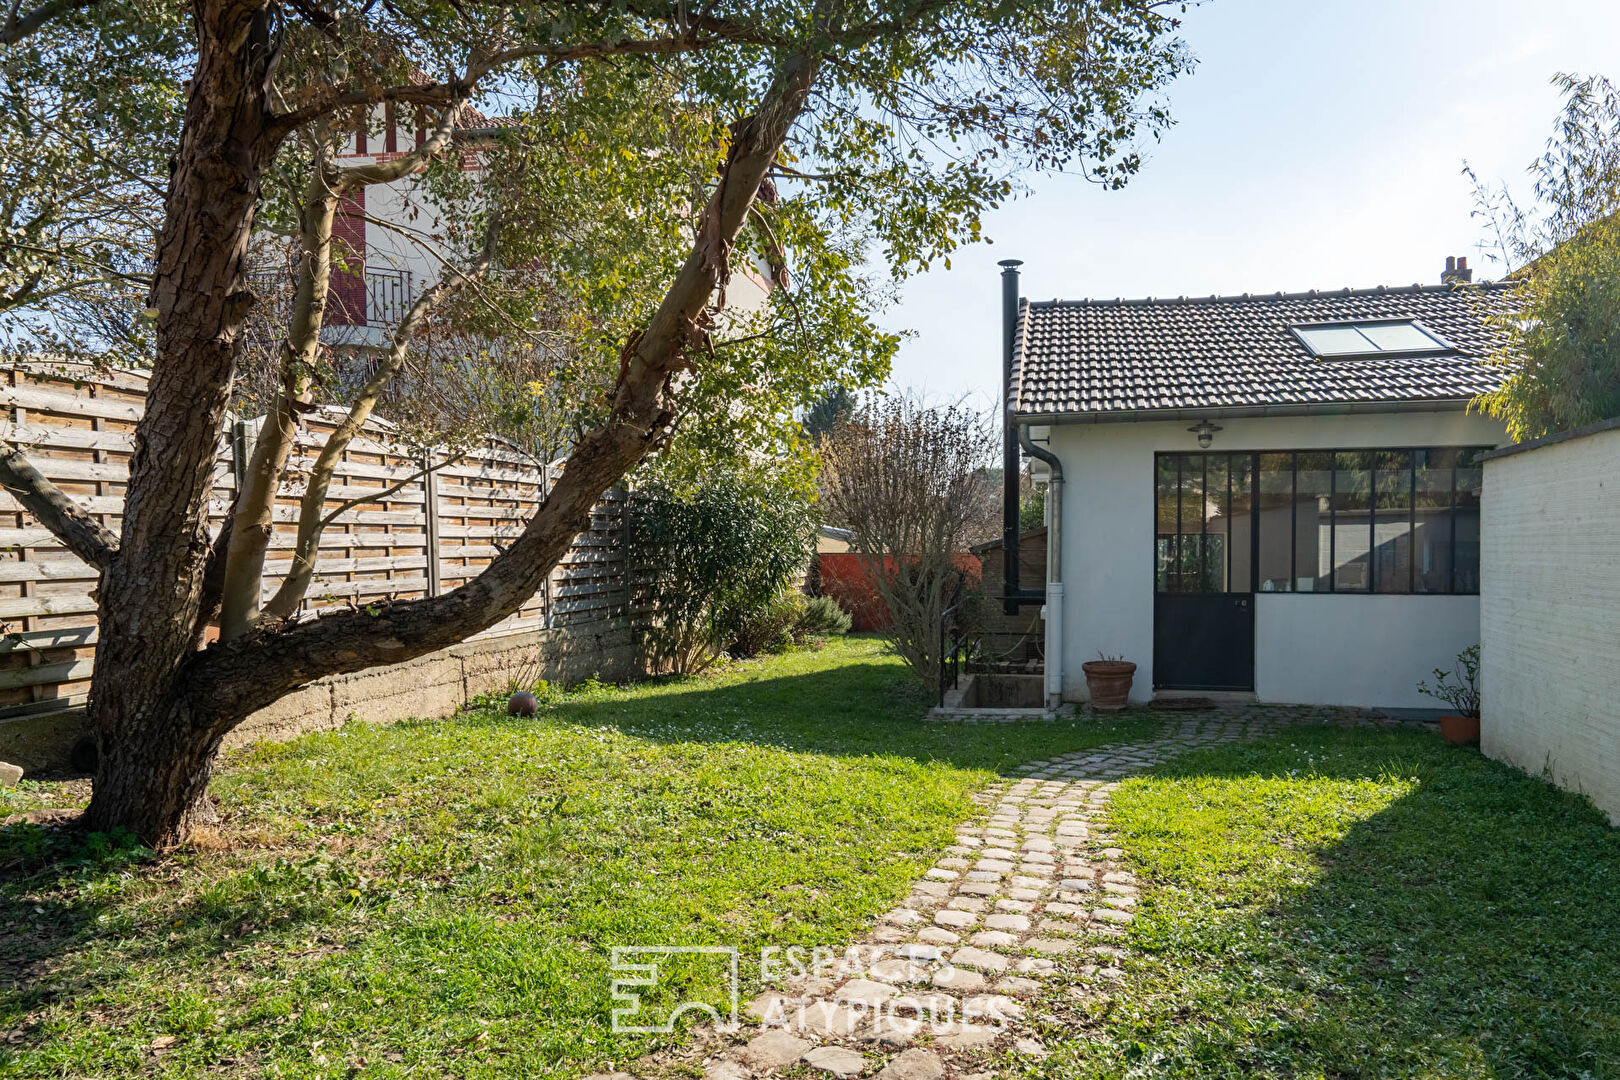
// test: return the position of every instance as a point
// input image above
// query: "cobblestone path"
(1032, 899)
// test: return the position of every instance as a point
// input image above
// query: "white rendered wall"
(1107, 541)
(1343, 649)
(1550, 614)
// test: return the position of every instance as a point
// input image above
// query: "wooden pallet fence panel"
(78, 427)
(418, 532)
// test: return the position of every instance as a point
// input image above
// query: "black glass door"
(1205, 561)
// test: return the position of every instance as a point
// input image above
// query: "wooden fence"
(431, 535)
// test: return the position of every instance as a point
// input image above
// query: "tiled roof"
(1237, 353)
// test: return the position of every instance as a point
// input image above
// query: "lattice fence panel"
(432, 531)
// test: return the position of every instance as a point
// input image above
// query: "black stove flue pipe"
(1011, 465)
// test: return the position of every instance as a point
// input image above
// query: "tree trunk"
(156, 786)
(153, 752)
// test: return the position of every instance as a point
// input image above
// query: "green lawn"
(439, 897)
(1336, 904)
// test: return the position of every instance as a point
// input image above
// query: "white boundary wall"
(1550, 610)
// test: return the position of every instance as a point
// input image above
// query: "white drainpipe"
(1052, 611)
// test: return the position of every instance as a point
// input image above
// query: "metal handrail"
(970, 651)
(950, 659)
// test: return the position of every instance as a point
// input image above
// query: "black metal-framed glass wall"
(1334, 521)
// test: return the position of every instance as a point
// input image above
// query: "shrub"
(711, 559)
(821, 617)
(914, 487)
(976, 610)
(769, 629)
(790, 619)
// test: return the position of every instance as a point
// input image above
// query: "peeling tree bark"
(155, 755)
(253, 520)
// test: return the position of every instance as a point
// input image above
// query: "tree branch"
(312, 522)
(379, 496)
(321, 19)
(254, 516)
(283, 656)
(213, 580)
(15, 28)
(440, 94)
(68, 522)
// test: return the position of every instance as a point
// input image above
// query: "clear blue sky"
(1318, 144)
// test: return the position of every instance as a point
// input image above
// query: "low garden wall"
(437, 684)
(1550, 610)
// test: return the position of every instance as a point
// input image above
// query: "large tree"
(903, 120)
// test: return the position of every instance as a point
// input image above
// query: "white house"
(395, 232)
(1274, 495)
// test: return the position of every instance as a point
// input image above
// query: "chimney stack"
(1456, 271)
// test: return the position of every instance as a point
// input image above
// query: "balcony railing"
(389, 294)
(379, 299)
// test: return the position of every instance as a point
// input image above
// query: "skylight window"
(1384, 337)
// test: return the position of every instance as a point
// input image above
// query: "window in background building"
(1217, 532)
(1465, 522)
(1313, 532)
(1201, 542)
(1353, 521)
(1377, 337)
(1168, 528)
(1431, 519)
(1242, 471)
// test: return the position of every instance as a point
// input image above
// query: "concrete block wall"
(1550, 611)
(434, 685)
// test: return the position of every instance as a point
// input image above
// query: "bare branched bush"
(913, 486)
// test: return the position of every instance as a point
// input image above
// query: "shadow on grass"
(1369, 904)
(67, 895)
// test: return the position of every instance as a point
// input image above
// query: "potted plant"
(1108, 678)
(1458, 688)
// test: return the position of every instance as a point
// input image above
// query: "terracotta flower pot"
(1109, 682)
(1460, 730)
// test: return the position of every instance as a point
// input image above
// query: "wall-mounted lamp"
(1205, 432)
